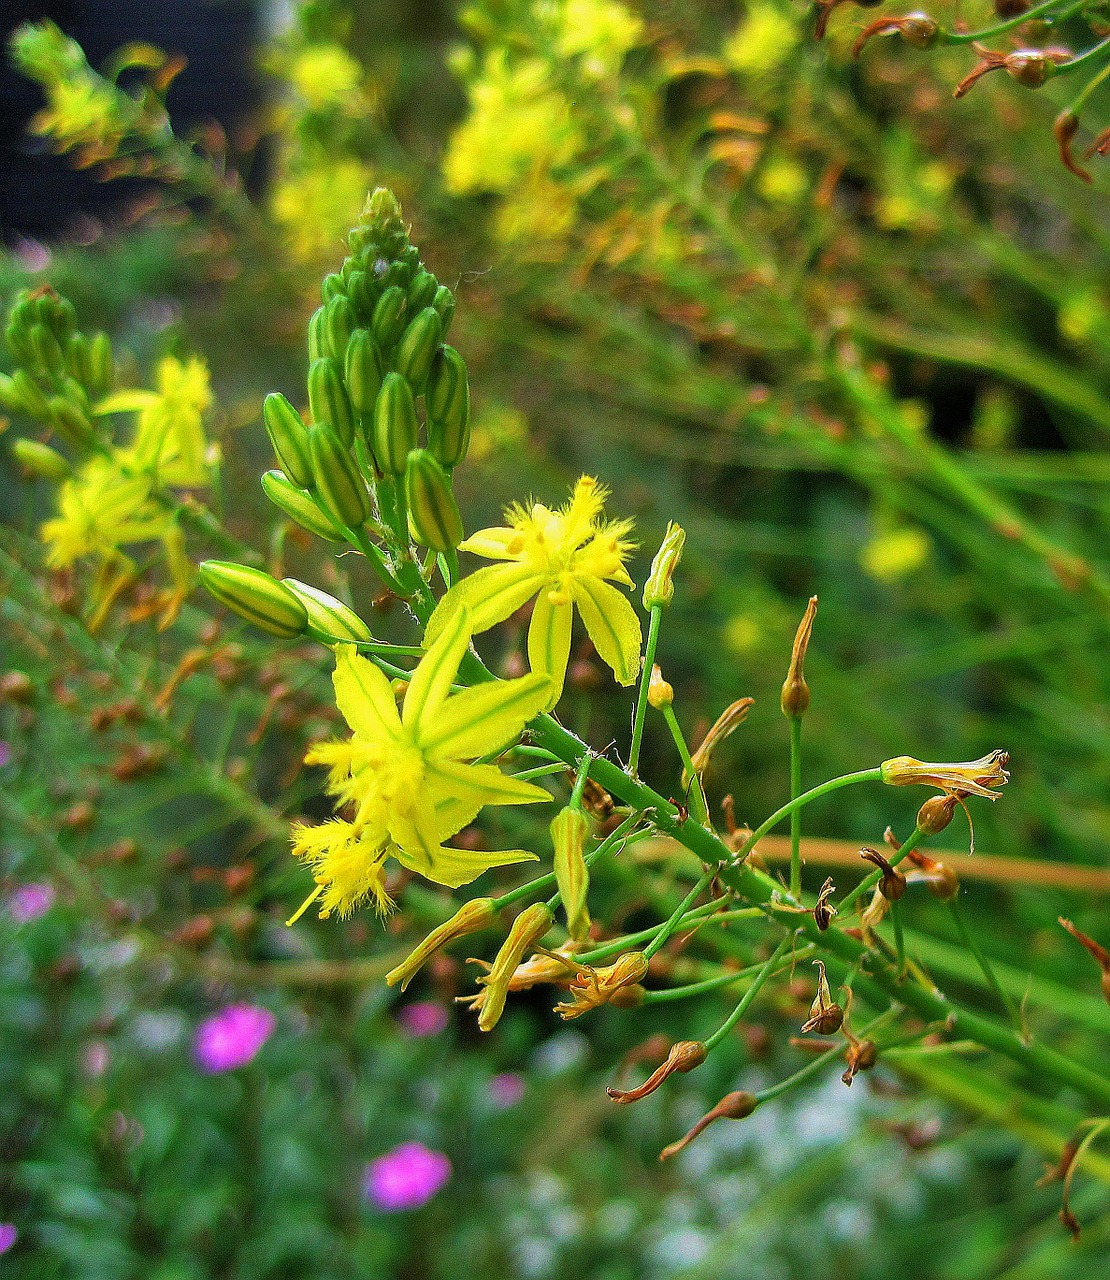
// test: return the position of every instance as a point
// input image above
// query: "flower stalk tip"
(795, 691)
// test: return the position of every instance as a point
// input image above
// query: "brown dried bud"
(936, 813)
(941, 881)
(733, 1106)
(824, 911)
(1064, 129)
(1030, 67)
(597, 802)
(729, 719)
(795, 691)
(917, 29)
(683, 1057)
(892, 883)
(593, 987)
(825, 1016)
(78, 817)
(862, 1056)
(1100, 954)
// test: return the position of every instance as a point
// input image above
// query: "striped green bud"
(444, 303)
(255, 596)
(339, 322)
(659, 588)
(76, 394)
(422, 290)
(102, 365)
(77, 358)
(332, 287)
(433, 511)
(29, 395)
(40, 460)
(417, 348)
(448, 400)
(394, 429)
(327, 614)
(363, 369)
(388, 322)
(318, 346)
(47, 352)
(68, 420)
(570, 829)
(328, 399)
(339, 484)
(289, 436)
(18, 343)
(302, 508)
(364, 291)
(399, 273)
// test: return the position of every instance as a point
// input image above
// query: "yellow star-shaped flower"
(564, 558)
(407, 776)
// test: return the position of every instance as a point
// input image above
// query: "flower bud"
(394, 430)
(327, 614)
(448, 400)
(40, 460)
(733, 1106)
(102, 364)
(527, 929)
(659, 587)
(433, 512)
(339, 485)
(417, 348)
(892, 883)
(444, 303)
(332, 286)
(28, 395)
(729, 720)
(48, 355)
(255, 596)
(795, 691)
(936, 813)
(68, 420)
(339, 324)
(319, 346)
(77, 358)
(302, 508)
(683, 1057)
(660, 693)
(570, 829)
(328, 399)
(289, 437)
(388, 321)
(363, 368)
(363, 291)
(477, 914)
(422, 291)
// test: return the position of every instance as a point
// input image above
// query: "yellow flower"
(762, 42)
(603, 31)
(975, 778)
(102, 508)
(325, 75)
(896, 553)
(563, 558)
(405, 775)
(82, 112)
(317, 206)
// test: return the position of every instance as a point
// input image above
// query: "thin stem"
(377, 562)
(698, 807)
(812, 1068)
(645, 680)
(575, 801)
(968, 939)
(714, 984)
(669, 926)
(796, 815)
(899, 937)
(967, 37)
(745, 1000)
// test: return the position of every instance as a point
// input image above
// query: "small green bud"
(417, 348)
(339, 484)
(29, 395)
(433, 511)
(444, 303)
(9, 399)
(327, 614)
(394, 427)
(399, 273)
(40, 460)
(422, 291)
(102, 365)
(76, 394)
(388, 322)
(255, 596)
(302, 508)
(363, 368)
(18, 342)
(289, 436)
(659, 588)
(47, 352)
(64, 320)
(77, 359)
(68, 420)
(318, 344)
(448, 400)
(328, 399)
(570, 828)
(339, 321)
(332, 287)
(364, 291)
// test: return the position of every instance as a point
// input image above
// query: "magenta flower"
(423, 1018)
(8, 1236)
(232, 1037)
(30, 901)
(406, 1177)
(506, 1090)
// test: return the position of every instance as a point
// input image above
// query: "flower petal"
(477, 721)
(451, 867)
(612, 625)
(491, 595)
(436, 671)
(549, 641)
(363, 695)
(493, 544)
(466, 782)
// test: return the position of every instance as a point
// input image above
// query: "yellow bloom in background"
(896, 553)
(325, 75)
(564, 558)
(406, 774)
(316, 207)
(763, 41)
(602, 31)
(101, 509)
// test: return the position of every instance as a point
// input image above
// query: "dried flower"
(593, 987)
(1100, 954)
(683, 1057)
(825, 1016)
(527, 929)
(975, 778)
(795, 691)
(733, 1106)
(892, 883)
(823, 910)
(729, 719)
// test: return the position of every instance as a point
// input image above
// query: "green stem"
(999, 28)
(669, 926)
(377, 561)
(645, 680)
(745, 1000)
(899, 936)
(713, 984)
(822, 1059)
(575, 801)
(796, 815)
(968, 939)
(698, 808)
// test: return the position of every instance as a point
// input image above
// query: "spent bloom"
(566, 559)
(406, 1177)
(975, 778)
(30, 901)
(406, 774)
(232, 1037)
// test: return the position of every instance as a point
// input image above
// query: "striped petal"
(469, 782)
(549, 640)
(491, 595)
(436, 671)
(479, 720)
(612, 625)
(364, 695)
(423, 853)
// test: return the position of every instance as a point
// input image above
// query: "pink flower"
(506, 1090)
(5, 753)
(30, 901)
(8, 1236)
(406, 1177)
(232, 1037)
(423, 1018)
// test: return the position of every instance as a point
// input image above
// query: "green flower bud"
(433, 511)
(255, 596)
(399, 273)
(339, 484)
(659, 588)
(388, 322)
(29, 395)
(77, 359)
(9, 399)
(448, 400)
(76, 394)
(394, 428)
(318, 344)
(422, 291)
(18, 343)
(102, 365)
(328, 399)
(64, 319)
(444, 303)
(332, 287)
(364, 291)
(570, 828)
(68, 420)
(48, 354)
(40, 460)
(302, 508)
(363, 369)
(417, 348)
(327, 614)
(289, 436)
(339, 322)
